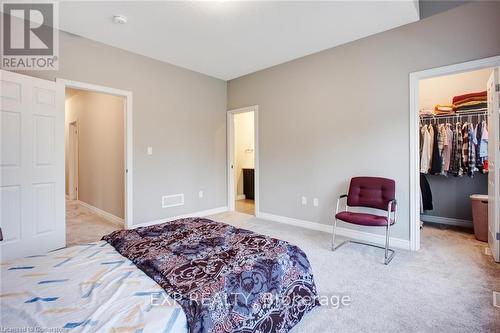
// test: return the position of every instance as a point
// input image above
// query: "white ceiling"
(228, 39)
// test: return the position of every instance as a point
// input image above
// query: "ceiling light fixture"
(120, 19)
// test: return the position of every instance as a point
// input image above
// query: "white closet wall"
(440, 90)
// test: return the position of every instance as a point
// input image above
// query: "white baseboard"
(119, 222)
(202, 213)
(341, 231)
(446, 220)
(240, 197)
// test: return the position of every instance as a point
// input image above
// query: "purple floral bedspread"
(226, 279)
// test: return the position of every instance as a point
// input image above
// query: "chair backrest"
(372, 192)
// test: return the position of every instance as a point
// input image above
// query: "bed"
(84, 288)
(189, 275)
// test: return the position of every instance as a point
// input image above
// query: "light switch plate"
(304, 200)
(150, 150)
(315, 202)
(200, 194)
(496, 299)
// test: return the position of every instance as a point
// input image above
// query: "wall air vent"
(172, 200)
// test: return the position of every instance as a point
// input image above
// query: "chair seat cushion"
(363, 219)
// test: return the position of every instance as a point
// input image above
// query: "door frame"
(231, 195)
(73, 162)
(414, 79)
(62, 84)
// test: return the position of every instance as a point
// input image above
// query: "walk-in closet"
(454, 161)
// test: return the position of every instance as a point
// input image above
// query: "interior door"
(31, 166)
(494, 166)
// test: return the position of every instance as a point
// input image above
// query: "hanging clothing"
(465, 147)
(426, 194)
(436, 156)
(454, 149)
(483, 146)
(448, 148)
(457, 154)
(479, 162)
(471, 132)
(431, 143)
(425, 156)
(443, 143)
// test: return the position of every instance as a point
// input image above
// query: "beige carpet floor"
(445, 287)
(84, 226)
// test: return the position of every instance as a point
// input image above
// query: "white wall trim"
(129, 140)
(202, 213)
(414, 78)
(446, 220)
(230, 156)
(119, 222)
(341, 231)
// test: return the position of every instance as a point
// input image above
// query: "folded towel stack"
(441, 110)
(471, 102)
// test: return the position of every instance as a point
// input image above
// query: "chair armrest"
(391, 205)
(338, 202)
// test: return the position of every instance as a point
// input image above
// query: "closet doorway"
(454, 154)
(243, 172)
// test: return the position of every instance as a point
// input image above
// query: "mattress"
(84, 288)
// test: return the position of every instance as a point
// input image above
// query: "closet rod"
(456, 115)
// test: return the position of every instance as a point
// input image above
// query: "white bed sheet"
(84, 288)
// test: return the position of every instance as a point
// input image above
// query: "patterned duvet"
(84, 288)
(226, 279)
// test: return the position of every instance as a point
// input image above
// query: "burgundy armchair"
(369, 192)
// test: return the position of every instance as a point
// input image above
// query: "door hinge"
(497, 87)
(498, 236)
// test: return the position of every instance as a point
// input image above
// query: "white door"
(31, 166)
(494, 166)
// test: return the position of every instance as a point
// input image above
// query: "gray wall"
(432, 7)
(345, 111)
(451, 195)
(180, 113)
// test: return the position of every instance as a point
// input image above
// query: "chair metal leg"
(333, 238)
(389, 253)
(387, 257)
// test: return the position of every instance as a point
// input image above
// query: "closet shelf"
(456, 115)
